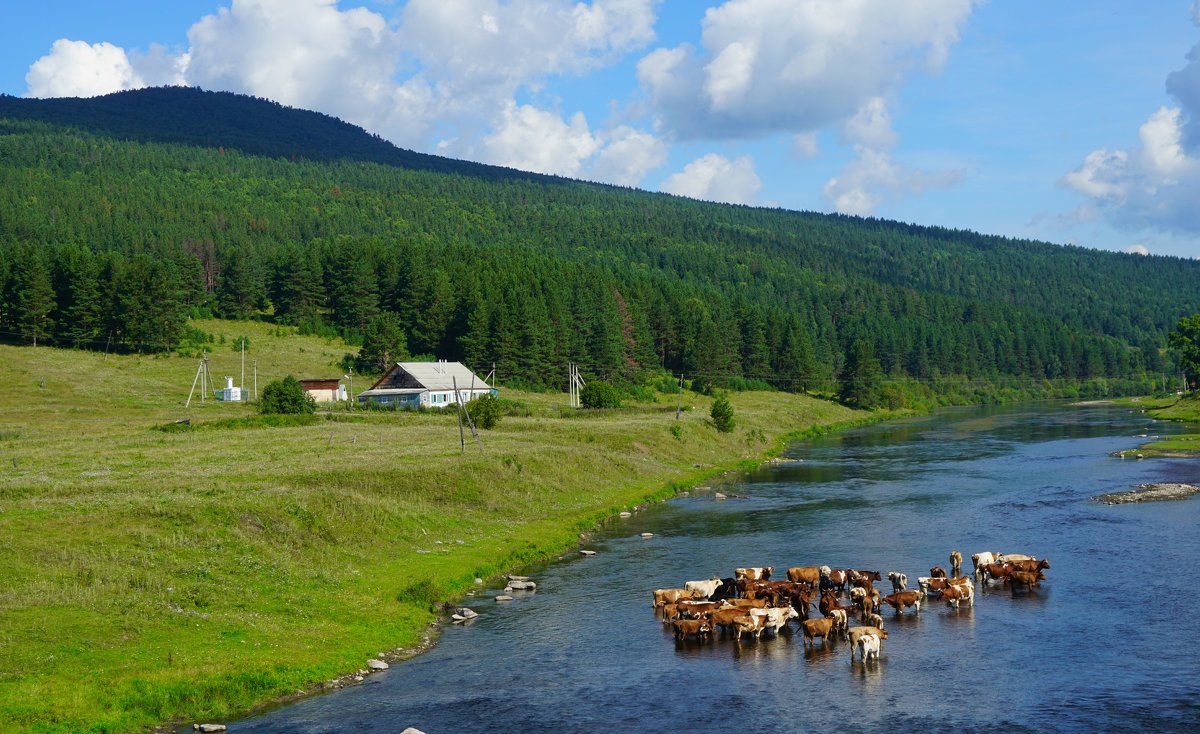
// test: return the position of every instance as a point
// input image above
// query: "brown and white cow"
(955, 594)
(855, 633)
(754, 573)
(699, 628)
(869, 644)
(814, 628)
(904, 599)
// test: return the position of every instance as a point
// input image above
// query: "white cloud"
(716, 178)
(627, 156)
(794, 65)
(536, 140)
(805, 145)
(873, 176)
(444, 70)
(79, 69)
(1137, 249)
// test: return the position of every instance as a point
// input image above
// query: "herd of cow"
(750, 603)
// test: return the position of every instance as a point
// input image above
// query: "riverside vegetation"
(153, 575)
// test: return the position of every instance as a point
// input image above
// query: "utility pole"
(679, 399)
(462, 439)
(242, 382)
(255, 396)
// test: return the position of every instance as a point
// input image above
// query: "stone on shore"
(587, 553)
(375, 664)
(209, 727)
(1150, 493)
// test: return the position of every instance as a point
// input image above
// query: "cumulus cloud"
(537, 140)
(805, 145)
(873, 176)
(80, 69)
(440, 70)
(716, 178)
(766, 66)
(1137, 249)
(627, 156)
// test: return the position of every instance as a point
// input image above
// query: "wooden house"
(426, 384)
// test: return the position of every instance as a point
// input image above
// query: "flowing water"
(1107, 644)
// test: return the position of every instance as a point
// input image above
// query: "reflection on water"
(1080, 654)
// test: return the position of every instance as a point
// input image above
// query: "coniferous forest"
(123, 216)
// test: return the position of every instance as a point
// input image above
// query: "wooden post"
(462, 439)
(679, 399)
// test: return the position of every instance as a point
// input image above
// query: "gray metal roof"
(442, 375)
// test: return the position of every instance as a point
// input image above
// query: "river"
(1105, 645)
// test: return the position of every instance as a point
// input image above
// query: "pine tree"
(860, 384)
(34, 302)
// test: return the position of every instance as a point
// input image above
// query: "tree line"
(110, 243)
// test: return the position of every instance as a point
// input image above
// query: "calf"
(874, 620)
(955, 563)
(814, 628)
(902, 599)
(869, 644)
(756, 573)
(899, 580)
(954, 594)
(699, 628)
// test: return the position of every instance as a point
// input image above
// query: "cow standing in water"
(955, 563)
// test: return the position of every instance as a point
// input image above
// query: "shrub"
(722, 413)
(286, 396)
(485, 410)
(599, 394)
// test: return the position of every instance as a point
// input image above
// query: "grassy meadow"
(150, 576)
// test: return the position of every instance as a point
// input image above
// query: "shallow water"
(1104, 645)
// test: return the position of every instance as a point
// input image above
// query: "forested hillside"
(123, 215)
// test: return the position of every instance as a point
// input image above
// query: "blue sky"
(1069, 122)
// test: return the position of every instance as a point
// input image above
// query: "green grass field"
(150, 576)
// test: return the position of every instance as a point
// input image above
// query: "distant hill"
(241, 207)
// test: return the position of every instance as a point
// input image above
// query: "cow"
(955, 563)
(869, 644)
(704, 589)
(980, 561)
(937, 572)
(775, 618)
(670, 596)
(755, 573)
(1027, 578)
(837, 579)
(699, 628)
(724, 619)
(954, 594)
(854, 633)
(874, 620)
(727, 590)
(1011, 557)
(751, 624)
(814, 628)
(810, 575)
(748, 603)
(1031, 565)
(997, 572)
(840, 620)
(829, 601)
(902, 599)
(899, 580)
(931, 585)
(696, 609)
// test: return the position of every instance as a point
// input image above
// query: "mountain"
(120, 215)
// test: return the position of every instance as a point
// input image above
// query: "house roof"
(320, 384)
(431, 376)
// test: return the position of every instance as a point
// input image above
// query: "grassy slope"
(149, 575)
(1186, 409)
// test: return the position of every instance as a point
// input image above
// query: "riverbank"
(1185, 409)
(154, 577)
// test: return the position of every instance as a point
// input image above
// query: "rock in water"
(374, 664)
(718, 496)
(412, 730)
(587, 553)
(209, 727)
(467, 613)
(626, 514)
(522, 585)
(504, 597)
(647, 535)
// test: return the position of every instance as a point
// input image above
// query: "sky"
(1070, 122)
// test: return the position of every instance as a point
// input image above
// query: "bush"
(722, 414)
(286, 396)
(598, 394)
(485, 410)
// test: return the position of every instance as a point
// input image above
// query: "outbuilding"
(325, 390)
(426, 384)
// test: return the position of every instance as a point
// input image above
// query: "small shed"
(430, 384)
(325, 390)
